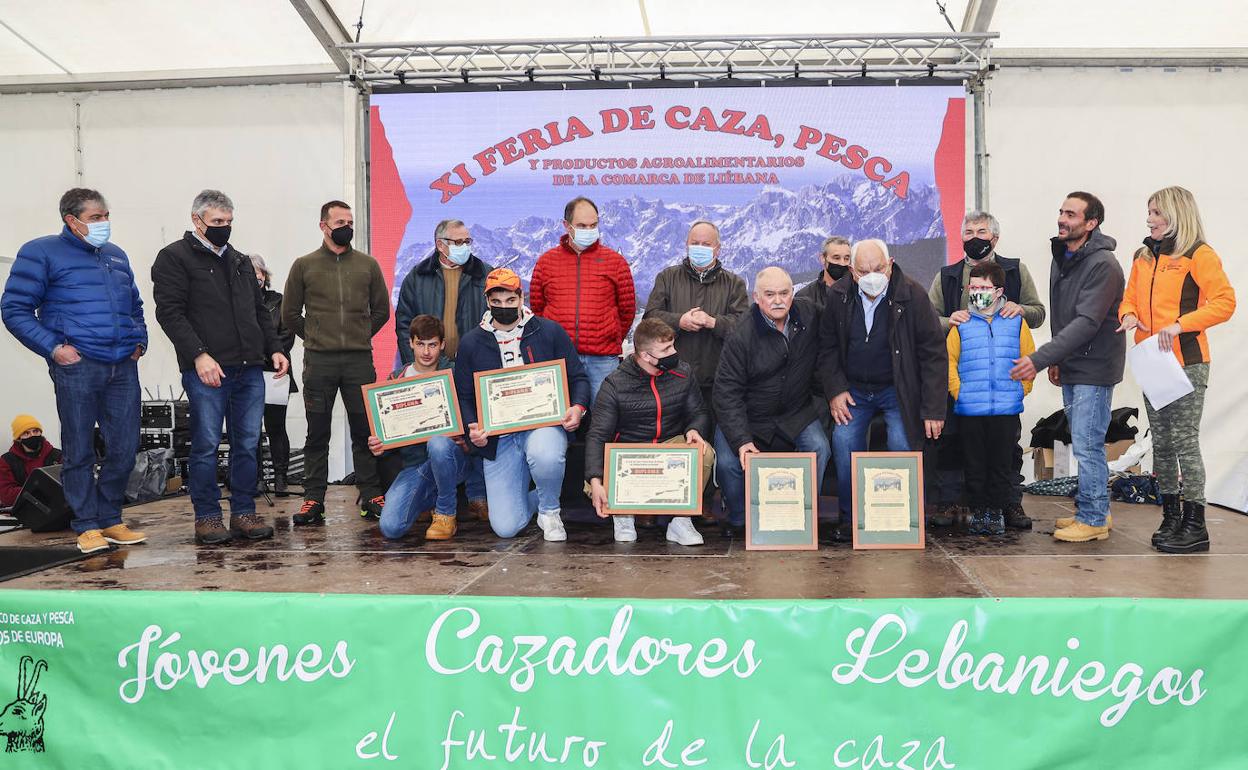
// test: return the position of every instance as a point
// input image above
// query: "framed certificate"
(413, 410)
(653, 479)
(888, 500)
(781, 502)
(522, 397)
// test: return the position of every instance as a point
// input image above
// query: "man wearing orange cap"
(510, 335)
(30, 451)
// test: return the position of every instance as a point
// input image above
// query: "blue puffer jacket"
(988, 353)
(64, 290)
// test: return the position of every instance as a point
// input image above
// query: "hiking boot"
(996, 523)
(1081, 533)
(680, 530)
(211, 531)
(249, 526)
(372, 509)
(91, 541)
(979, 522)
(1066, 521)
(624, 528)
(945, 516)
(1016, 518)
(1171, 519)
(123, 535)
(310, 513)
(551, 525)
(442, 528)
(479, 508)
(280, 488)
(1192, 536)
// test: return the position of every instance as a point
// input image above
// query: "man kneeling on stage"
(510, 335)
(431, 471)
(652, 398)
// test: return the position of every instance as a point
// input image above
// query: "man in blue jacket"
(510, 335)
(71, 299)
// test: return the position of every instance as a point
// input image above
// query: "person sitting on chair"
(29, 452)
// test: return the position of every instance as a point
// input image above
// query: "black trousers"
(987, 446)
(279, 442)
(325, 376)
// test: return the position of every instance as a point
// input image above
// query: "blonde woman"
(1177, 290)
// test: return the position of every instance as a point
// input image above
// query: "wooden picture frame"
(759, 533)
(883, 470)
(613, 454)
(482, 381)
(445, 382)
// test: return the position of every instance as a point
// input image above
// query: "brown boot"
(442, 528)
(123, 535)
(250, 526)
(480, 509)
(91, 541)
(211, 532)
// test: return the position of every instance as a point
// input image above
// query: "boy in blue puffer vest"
(981, 354)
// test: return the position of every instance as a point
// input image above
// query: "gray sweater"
(1085, 291)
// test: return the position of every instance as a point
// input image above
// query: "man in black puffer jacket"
(652, 398)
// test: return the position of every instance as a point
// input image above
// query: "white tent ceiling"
(86, 43)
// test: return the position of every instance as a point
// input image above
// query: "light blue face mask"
(584, 237)
(459, 252)
(701, 256)
(97, 232)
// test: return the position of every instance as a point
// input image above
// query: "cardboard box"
(1116, 449)
(1043, 460)
(1046, 461)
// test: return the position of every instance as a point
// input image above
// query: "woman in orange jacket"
(1177, 290)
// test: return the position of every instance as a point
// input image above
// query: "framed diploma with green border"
(781, 502)
(522, 397)
(653, 479)
(888, 500)
(413, 410)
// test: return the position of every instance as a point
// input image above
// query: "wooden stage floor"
(348, 555)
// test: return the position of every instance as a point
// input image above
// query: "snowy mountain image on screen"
(777, 227)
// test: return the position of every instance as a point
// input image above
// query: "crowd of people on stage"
(946, 367)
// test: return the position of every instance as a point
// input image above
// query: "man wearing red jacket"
(586, 288)
(29, 452)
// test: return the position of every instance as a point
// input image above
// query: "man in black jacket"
(763, 387)
(652, 398)
(883, 352)
(210, 306)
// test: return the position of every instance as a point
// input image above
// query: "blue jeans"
(87, 393)
(474, 478)
(850, 438)
(731, 476)
(598, 368)
(1087, 411)
(240, 403)
(432, 484)
(537, 454)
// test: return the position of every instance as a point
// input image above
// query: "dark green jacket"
(719, 292)
(336, 302)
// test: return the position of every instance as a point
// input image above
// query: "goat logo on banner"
(21, 721)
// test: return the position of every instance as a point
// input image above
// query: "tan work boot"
(480, 509)
(250, 526)
(442, 528)
(123, 535)
(1081, 533)
(1066, 521)
(91, 541)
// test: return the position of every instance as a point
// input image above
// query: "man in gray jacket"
(1086, 355)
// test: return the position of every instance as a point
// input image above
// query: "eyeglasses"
(458, 241)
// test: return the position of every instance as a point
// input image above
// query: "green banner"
(230, 680)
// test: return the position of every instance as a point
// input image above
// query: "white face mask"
(873, 284)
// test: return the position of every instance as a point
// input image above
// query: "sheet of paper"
(781, 499)
(276, 392)
(886, 500)
(1158, 372)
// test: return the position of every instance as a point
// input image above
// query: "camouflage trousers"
(1176, 439)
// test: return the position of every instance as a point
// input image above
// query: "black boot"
(279, 486)
(1171, 519)
(1192, 536)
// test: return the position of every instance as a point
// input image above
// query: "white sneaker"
(552, 527)
(680, 530)
(625, 529)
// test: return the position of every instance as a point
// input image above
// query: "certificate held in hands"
(522, 397)
(413, 410)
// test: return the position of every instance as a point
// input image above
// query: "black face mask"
(976, 249)
(504, 316)
(836, 272)
(32, 444)
(667, 363)
(217, 235)
(342, 235)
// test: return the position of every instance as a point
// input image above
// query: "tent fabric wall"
(278, 151)
(1123, 135)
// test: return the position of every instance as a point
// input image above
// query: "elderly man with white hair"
(883, 352)
(763, 387)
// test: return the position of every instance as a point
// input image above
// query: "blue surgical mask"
(97, 232)
(459, 252)
(584, 237)
(701, 256)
